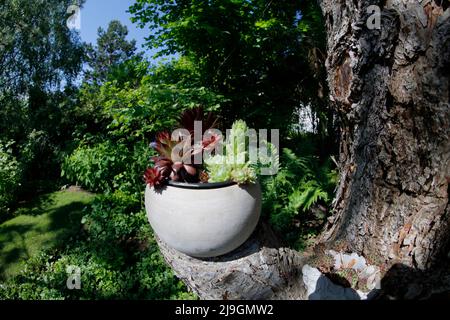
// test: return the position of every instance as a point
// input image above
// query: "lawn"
(40, 224)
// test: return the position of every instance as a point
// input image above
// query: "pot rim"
(200, 186)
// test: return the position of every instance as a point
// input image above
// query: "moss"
(375, 260)
(321, 260)
(362, 285)
(340, 246)
(350, 275)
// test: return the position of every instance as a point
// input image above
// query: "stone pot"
(204, 220)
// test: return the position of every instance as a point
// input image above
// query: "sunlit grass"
(43, 223)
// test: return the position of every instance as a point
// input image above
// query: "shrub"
(107, 166)
(95, 167)
(131, 112)
(117, 256)
(10, 177)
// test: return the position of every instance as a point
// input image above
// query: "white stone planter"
(206, 220)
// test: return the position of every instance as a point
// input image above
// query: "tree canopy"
(259, 54)
(112, 50)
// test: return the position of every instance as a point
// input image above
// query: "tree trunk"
(257, 270)
(391, 89)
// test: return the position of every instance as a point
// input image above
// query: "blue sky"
(98, 13)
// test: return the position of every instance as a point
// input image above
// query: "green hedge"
(10, 178)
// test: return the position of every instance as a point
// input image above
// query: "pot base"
(204, 223)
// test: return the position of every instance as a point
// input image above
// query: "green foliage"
(36, 56)
(301, 182)
(107, 221)
(107, 166)
(10, 177)
(95, 167)
(150, 108)
(181, 71)
(37, 49)
(130, 72)
(256, 53)
(39, 156)
(117, 257)
(39, 56)
(46, 222)
(137, 109)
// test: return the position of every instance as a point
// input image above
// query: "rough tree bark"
(259, 269)
(391, 89)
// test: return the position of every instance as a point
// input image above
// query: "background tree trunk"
(391, 89)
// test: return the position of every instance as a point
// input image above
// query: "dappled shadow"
(33, 198)
(67, 216)
(400, 282)
(36, 206)
(63, 222)
(9, 234)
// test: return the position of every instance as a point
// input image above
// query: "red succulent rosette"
(153, 177)
(177, 165)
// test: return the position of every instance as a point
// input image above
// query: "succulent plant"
(175, 160)
(176, 157)
(210, 140)
(153, 177)
(234, 165)
(350, 275)
(188, 118)
(168, 168)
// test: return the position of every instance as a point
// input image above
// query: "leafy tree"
(39, 56)
(256, 53)
(112, 50)
(37, 50)
(134, 108)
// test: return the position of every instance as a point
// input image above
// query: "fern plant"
(301, 182)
